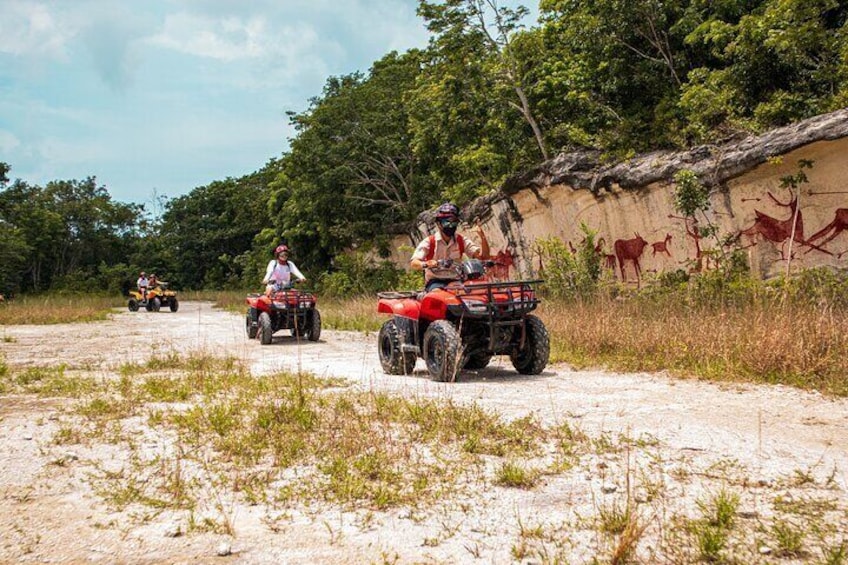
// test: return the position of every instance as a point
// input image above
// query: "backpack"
(432, 251)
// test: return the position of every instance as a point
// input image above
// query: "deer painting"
(662, 246)
(778, 231)
(609, 259)
(837, 226)
(630, 250)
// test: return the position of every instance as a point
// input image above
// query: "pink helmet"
(281, 249)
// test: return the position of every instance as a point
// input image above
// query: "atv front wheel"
(175, 305)
(313, 332)
(392, 357)
(266, 332)
(155, 304)
(251, 324)
(441, 350)
(532, 359)
(133, 305)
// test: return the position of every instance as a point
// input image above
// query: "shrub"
(570, 274)
(359, 273)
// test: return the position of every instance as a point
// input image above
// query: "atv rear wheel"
(133, 305)
(392, 357)
(441, 350)
(174, 305)
(479, 360)
(313, 332)
(537, 348)
(266, 332)
(251, 324)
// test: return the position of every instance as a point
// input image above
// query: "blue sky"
(162, 96)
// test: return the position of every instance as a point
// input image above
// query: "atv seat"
(394, 295)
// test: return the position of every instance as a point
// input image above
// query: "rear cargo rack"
(499, 299)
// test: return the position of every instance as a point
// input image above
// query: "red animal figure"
(662, 246)
(837, 226)
(630, 250)
(778, 231)
(609, 259)
(503, 261)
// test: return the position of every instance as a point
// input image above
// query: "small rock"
(765, 550)
(53, 417)
(640, 496)
(609, 489)
(27, 437)
(224, 549)
(173, 531)
(70, 456)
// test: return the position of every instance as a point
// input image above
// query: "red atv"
(286, 308)
(463, 325)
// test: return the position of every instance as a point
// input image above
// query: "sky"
(157, 97)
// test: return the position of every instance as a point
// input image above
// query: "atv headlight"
(281, 305)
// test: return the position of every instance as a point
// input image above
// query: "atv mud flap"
(409, 338)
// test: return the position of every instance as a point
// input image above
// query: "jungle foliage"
(487, 98)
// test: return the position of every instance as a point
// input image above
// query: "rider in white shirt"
(280, 271)
(142, 283)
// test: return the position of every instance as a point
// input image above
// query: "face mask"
(448, 227)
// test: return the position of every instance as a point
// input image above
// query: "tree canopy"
(485, 99)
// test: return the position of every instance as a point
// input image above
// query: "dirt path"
(772, 432)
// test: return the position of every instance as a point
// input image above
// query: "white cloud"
(29, 28)
(8, 142)
(225, 39)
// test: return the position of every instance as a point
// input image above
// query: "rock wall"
(631, 205)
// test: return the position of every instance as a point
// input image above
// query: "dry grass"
(358, 314)
(798, 345)
(57, 309)
(357, 449)
(298, 443)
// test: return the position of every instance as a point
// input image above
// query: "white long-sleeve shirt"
(281, 272)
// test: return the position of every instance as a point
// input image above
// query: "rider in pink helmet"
(280, 270)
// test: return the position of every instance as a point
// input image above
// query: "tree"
(351, 171)
(456, 23)
(65, 230)
(204, 232)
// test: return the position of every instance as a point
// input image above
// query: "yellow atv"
(157, 297)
